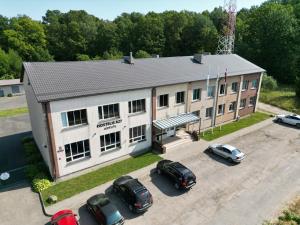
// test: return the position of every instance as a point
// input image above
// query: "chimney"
(129, 59)
(198, 58)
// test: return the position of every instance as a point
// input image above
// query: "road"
(227, 194)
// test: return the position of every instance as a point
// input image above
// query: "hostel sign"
(109, 124)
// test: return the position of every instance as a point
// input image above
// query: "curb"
(43, 206)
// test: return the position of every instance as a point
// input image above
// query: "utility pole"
(226, 41)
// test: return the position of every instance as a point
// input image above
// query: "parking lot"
(227, 194)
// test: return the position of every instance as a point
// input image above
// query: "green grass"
(69, 188)
(13, 112)
(234, 126)
(283, 97)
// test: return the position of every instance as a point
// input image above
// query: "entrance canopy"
(176, 121)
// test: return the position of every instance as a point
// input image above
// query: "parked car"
(182, 177)
(133, 193)
(232, 154)
(64, 217)
(104, 211)
(289, 119)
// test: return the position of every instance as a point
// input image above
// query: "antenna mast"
(226, 42)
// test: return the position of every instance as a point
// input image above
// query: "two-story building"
(86, 113)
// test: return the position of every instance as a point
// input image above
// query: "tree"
(82, 57)
(269, 83)
(219, 17)
(10, 64)
(27, 37)
(142, 54)
(112, 54)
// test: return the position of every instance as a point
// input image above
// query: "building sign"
(109, 124)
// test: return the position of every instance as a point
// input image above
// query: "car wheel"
(88, 209)
(130, 208)
(230, 160)
(176, 185)
(158, 171)
(115, 190)
(279, 120)
(298, 125)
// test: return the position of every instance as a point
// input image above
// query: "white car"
(289, 119)
(228, 152)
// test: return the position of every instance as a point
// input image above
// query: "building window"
(254, 84)
(252, 101)
(15, 89)
(245, 85)
(234, 87)
(196, 113)
(77, 150)
(221, 109)
(222, 89)
(196, 94)
(137, 134)
(163, 100)
(211, 91)
(232, 106)
(108, 111)
(73, 118)
(110, 141)
(243, 103)
(209, 112)
(180, 97)
(137, 106)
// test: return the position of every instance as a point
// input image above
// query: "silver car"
(289, 119)
(228, 152)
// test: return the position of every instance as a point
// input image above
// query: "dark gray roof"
(58, 80)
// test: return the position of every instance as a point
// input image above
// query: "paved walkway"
(271, 109)
(13, 102)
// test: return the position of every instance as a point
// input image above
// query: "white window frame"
(211, 90)
(141, 134)
(111, 146)
(236, 85)
(211, 112)
(181, 97)
(115, 114)
(163, 106)
(242, 100)
(195, 98)
(86, 152)
(234, 107)
(223, 109)
(65, 118)
(142, 108)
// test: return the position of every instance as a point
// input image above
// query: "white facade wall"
(90, 131)
(8, 90)
(38, 122)
(173, 109)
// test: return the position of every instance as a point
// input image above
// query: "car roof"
(229, 147)
(99, 199)
(295, 115)
(108, 209)
(180, 168)
(135, 185)
(64, 217)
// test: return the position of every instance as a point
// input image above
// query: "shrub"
(40, 182)
(9, 95)
(142, 54)
(31, 171)
(269, 83)
(27, 139)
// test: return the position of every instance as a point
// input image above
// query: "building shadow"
(218, 158)
(85, 217)
(165, 185)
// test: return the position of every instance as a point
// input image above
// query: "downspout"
(258, 91)
(216, 101)
(237, 110)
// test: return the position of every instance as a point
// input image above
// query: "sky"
(110, 9)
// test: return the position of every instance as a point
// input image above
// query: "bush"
(9, 95)
(40, 182)
(269, 83)
(31, 152)
(142, 54)
(27, 139)
(31, 171)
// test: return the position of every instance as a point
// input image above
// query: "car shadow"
(285, 125)
(165, 185)
(121, 206)
(85, 217)
(219, 158)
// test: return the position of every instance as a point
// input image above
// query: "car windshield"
(188, 176)
(143, 196)
(236, 152)
(114, 218)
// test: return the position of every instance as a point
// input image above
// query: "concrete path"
(271, 109)
(244, 194)
(13, 102)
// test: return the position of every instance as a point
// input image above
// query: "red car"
(64, 217)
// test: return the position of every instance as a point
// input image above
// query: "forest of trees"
(268, 35)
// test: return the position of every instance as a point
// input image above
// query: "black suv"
(182, 177)
(104, 211)
(135, 194)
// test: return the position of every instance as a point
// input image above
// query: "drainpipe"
(216, 101)
(237, 110)
(258, 91)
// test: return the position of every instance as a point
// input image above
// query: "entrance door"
(1, 93)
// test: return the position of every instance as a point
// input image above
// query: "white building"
(86, 113)
(11, 87)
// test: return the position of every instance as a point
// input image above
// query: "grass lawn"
(67, 189)
(283, 97)
(13, 112)
(234, 126)
(290, 216)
